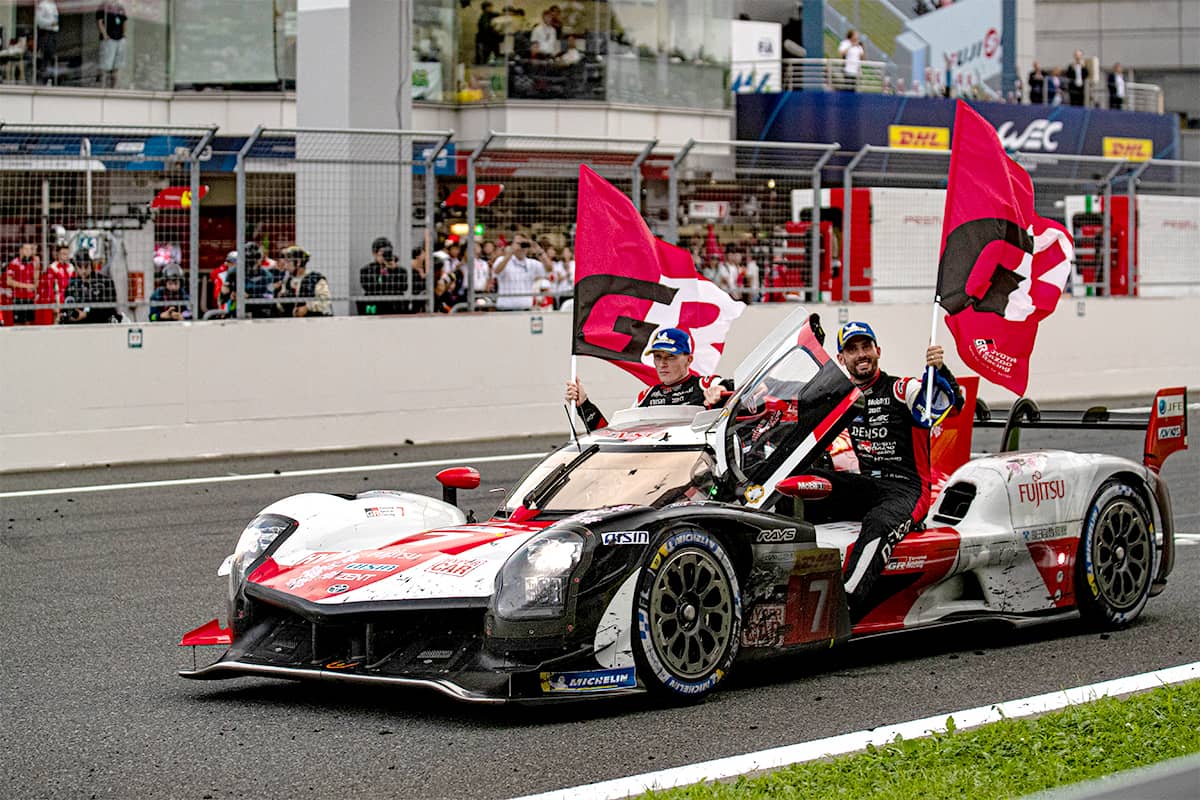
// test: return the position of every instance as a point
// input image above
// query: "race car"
(659, 552)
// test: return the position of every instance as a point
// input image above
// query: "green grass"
(1007, 759)
(881, 25)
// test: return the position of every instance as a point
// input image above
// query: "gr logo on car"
(625, 537)
(775, 536)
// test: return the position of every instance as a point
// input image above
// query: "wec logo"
(1037, 136)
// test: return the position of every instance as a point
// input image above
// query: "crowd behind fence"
(151, 224)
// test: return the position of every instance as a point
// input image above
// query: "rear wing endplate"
(1165, 424)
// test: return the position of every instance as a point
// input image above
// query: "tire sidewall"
(655, 674)
(1091, 604)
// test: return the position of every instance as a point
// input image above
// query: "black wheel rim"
(691, 613)
(1121, 553)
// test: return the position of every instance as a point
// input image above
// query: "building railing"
(244, 232)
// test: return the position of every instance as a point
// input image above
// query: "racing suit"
(891, 491)
(688, 392)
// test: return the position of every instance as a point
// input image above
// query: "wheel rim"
(1121, 553)
(691, 608)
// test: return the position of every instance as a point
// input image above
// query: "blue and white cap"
(671, 340)
(852, 329)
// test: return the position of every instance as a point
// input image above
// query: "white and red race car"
(659, 552)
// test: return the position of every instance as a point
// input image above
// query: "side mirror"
(456, 478)
(805, 487)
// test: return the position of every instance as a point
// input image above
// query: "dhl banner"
(918, 137)
(1128, 149)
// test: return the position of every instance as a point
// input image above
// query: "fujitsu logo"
(1038, 135)
(1036, 491)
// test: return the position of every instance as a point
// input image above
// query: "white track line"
(266, 476)
(852, 742)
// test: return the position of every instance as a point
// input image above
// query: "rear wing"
(1165, 424)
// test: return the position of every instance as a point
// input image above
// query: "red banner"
(628, 284)
(1002, 267)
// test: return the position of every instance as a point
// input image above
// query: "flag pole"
(937, 300)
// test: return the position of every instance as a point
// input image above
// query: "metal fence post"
(673, 191)
(1130, 247)
(1106, 231)
(431, 156)
(847, 216)
(815, 261)
(194, 223)
(471, 161)
(636, 188)
(240, 299)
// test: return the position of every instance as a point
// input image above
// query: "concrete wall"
(81, 395)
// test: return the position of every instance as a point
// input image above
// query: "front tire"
(1116, 559)
(688, 615)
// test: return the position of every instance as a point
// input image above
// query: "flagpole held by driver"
(929, 367)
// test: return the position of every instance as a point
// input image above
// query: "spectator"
(1077, 76)
(46, 18)
(52, 286)
(21, 280)
(111, 19)
(170, 302)
(545, 33)
(1037, 85)
(211, 285)
(933, 87)
(261, 282)
(516, 269)
(1116, 87)
(305, 294)
(482, 272)
(851, 52)
(563, 277)
(382, 276)
(93, 292)
(793, 34)
(487, 38)
(1054, 87)
(450, 287)
(420, 279)
(570, 56)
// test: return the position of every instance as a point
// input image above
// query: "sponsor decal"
(338, 588)
(905, 563)
(1037, 490)
(764, 626)
(1044, 533)
(987, 352)
(589, 517)
(1037, 136)
(625, 537)
(372, 567)
(435, 655)
(753, 493)
(457, 567)
(1181, 224)
(917, 137)
(1170, 405)
(775, 536)
(341, 665)
(597, 681)
(1128, 149)
(1170, 432)
(383, 511)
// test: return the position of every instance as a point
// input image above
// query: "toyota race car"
(659, 552)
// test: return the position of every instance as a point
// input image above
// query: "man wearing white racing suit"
(672, 352)
(891, 491)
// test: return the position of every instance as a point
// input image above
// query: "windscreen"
(617, 477)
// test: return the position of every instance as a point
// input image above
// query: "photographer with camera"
(521, 264)
(21, 280)
(382, 276)
(170, 302)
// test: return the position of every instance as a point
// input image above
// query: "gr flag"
(628, 284)
(1002, 267)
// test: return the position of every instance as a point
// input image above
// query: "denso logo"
(626, 537)
(775, 536)
(1037, 491)
(1038, 135)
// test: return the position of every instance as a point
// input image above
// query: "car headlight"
(534, 582)
(262, 531)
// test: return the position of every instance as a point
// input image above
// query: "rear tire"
(687, 615)
(1116, 559)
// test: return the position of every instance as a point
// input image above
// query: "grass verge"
(1005, 759)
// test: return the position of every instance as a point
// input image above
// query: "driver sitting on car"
(671, 349)
(890, 437)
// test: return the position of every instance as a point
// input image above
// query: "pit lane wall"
(80, 395)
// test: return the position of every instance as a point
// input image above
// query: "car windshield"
(598, 478)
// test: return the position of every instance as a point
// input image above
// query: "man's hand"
(575, 393)
(713, 392)
(933, 356)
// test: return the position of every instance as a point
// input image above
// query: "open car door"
(790, 400)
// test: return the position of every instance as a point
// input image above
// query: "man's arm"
(592, 417)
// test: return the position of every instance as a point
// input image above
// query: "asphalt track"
(98, 586)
